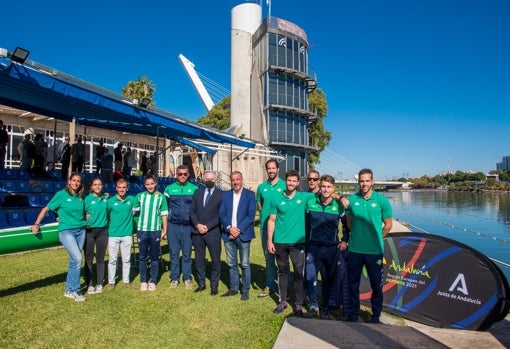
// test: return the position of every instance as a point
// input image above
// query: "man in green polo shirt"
(286, 238)
(369, 218)
(120, 232)
(265, 191)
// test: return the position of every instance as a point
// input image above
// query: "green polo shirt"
(96, 208)
(121, 216)
(290, 217)
(151, 208)
(367, 219)
(70, 210)
(265, 192)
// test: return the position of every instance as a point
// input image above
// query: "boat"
(21, 239)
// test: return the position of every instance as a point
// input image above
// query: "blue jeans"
(179, 238)
(231, 247)
(73, 240)
(148, 249)
(324, 259)
(271, 268)
(374, 267)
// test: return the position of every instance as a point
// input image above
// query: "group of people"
(111, 167)
(34, 154)
(300, 226)
(202, 218)
(71, 154)
(304, 227)
(94, 222)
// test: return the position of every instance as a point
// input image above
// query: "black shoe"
(298, 311)
(229, 293)
(280, 308)
(245, 296)
(325, 313)
(214, 290)
(313, 312)
(200, 288)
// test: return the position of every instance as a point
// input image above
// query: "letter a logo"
(461, 283)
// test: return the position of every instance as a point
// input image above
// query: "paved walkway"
(326, 334)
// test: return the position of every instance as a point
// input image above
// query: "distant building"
(494, 176)
(504, 164)
(270, 83)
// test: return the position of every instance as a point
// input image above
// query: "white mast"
(197, 83)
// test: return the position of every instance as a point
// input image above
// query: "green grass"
(35, 314)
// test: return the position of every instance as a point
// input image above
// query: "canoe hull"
(13, 240)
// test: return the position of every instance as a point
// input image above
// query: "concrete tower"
(246, 19)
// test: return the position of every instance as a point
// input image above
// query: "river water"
(480, 220)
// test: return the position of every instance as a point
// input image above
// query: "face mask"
(209, 184)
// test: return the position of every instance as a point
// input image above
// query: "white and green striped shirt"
(151, 209)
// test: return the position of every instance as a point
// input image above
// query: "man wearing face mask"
(204, 216)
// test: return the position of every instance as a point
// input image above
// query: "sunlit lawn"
(35, 314)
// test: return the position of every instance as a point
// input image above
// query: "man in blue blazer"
(205, 231)
(237, 213)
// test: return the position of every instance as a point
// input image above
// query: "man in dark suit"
(237, 213)
(205, 231)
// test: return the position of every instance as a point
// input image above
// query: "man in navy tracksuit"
(324, 247)
(180, 195)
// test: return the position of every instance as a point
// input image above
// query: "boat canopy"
(42, 90)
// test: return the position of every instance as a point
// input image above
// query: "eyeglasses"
(182, 174)
(313, 179)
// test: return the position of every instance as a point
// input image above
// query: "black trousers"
(96, 238)
(65, 170)
(296, 252)
(213, 244)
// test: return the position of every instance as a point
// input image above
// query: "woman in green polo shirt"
(96, 236)
(71, 226)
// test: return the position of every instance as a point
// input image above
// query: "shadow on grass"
(258, 276)
(50, 280)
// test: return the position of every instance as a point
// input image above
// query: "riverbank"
(399, 227)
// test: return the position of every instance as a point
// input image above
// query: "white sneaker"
(99, 289)
(91, 290)
(173, 284)
(143, 286)
(76, 295)
(188, 284)
(152, 287)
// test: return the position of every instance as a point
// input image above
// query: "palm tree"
(139, 89)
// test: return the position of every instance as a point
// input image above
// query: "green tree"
(319, 136)
(218, 116)
(139, 89)
(503, 175)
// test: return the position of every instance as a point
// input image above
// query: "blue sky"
(412, 86)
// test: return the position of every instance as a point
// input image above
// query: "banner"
(440, 282)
